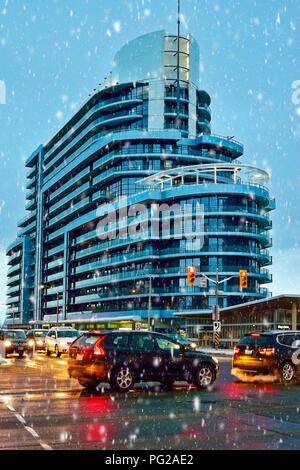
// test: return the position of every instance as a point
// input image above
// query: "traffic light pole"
(217, 282)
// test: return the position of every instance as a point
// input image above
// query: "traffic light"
(191, 275)
(243, 279)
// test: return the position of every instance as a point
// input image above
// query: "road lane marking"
(23, 422)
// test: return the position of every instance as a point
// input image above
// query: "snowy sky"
(53, 53)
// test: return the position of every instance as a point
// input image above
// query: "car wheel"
(122, 379)
(57, 353)
(89, 383)
(287, 372)
(204, 376)
(48, 352)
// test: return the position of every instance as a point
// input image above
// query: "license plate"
(248, 352)
(20, 349)
(79, 357)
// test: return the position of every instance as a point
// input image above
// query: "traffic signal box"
(191, 275)
(243, 279)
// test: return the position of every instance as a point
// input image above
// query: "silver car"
(58, 340)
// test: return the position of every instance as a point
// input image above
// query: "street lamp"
(44, 286)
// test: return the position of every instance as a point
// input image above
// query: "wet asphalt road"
(41, 408)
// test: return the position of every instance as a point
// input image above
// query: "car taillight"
(236, 350)
(98, 350)
(266, 351)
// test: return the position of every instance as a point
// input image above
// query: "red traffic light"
(191, 275)
(243, 279)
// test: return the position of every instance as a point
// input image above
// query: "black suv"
(14, 342)
(125, 358)
(275, 353)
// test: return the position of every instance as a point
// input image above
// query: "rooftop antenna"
(178, 65)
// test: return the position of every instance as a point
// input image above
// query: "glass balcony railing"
(103, 104)
(160, 291)
(125, 258)
(82, 136)
(175, 271)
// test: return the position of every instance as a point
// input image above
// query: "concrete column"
(156, 104)
(294, 316)
(275, 318)
(66, 276)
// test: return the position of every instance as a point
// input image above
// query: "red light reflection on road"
(235, 390)
(100, 410)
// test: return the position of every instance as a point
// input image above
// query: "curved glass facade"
(107, 194)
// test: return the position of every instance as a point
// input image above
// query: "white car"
(58, 340)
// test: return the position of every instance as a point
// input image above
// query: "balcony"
(13, 300)
(69, 213)
(14, 257)
(14, 289)
(128, 257)
(82, 137)
(68, 200)
(168, 272)
(103, 105)
(28, 229)
(12, 280)
(54, 264)
(30, 183)
(31, 194)
(161, 291)
(16, 267)
(27, 219)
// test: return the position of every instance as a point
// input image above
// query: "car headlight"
(215, 360)
(7, 343)
(193, 345)
(31, 343)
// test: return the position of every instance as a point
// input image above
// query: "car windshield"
(40, 334)
(15, 334)
(67, 334)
